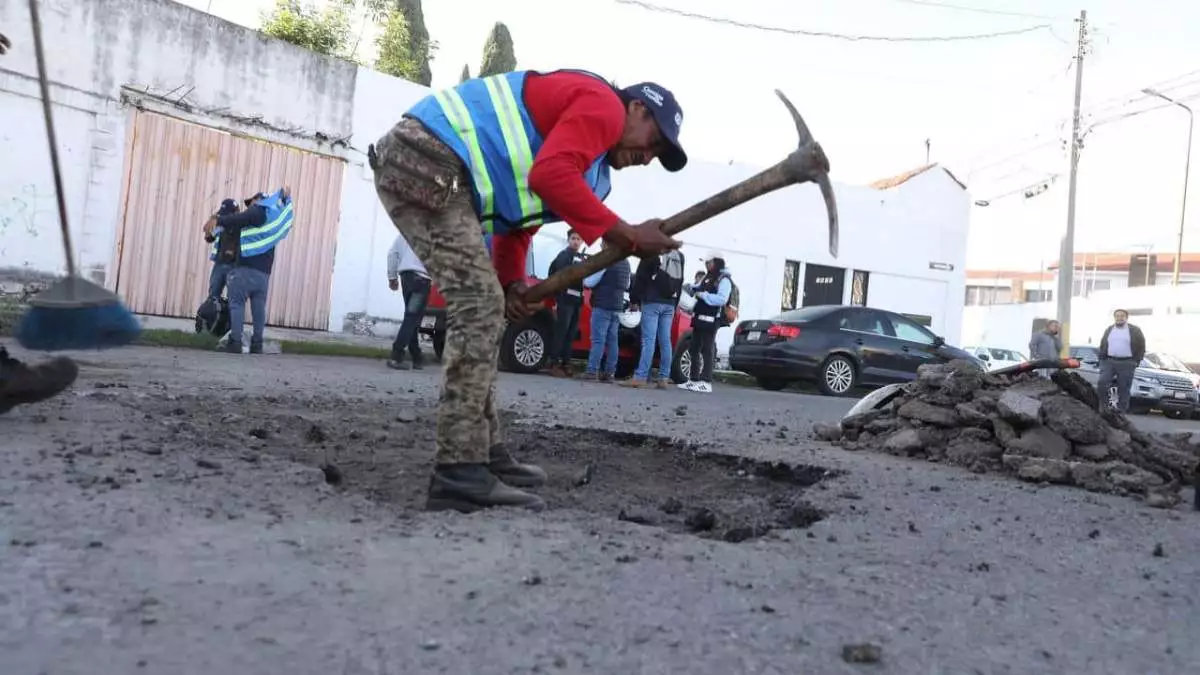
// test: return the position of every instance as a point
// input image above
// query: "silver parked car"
(1153, 388)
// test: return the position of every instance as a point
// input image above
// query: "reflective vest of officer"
(263, 238)
(485, 122)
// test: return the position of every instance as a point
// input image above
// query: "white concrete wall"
(100, 51)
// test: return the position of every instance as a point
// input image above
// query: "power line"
(982, 10)
(827, 34)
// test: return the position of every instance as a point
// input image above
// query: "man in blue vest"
(258, 229)
(508, 153)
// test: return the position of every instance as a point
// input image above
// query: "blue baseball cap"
(662, 104)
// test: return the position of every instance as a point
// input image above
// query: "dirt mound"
(1039, 430)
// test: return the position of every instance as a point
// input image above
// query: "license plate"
(428, 322)
(1180, 394)
(754, 336)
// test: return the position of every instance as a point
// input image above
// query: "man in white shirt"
(405, 271)
(1121, 350)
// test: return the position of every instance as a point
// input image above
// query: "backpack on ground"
(212, 317)
(730, 310)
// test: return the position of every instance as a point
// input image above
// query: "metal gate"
(176, 175)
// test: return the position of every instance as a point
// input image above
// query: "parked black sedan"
(839, 347)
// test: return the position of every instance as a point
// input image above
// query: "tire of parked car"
(837, 376)
(681, 361)
(525, 347)
(772, 383)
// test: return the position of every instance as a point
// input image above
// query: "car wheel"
(524, 348)
(1176, 414)
(772, 383)
(439, 344)
(838, 375)
(681, 364)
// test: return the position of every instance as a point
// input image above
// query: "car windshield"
(803, 315)
(1165, 362)
(1005, 354)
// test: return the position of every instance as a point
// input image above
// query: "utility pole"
(926, 152)
(1066, 256)
(1187, 165)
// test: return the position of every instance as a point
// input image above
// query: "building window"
(988, 295)
(791, 280)
(1036, 295)
(858, 287)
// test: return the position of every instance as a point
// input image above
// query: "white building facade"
(162, 111)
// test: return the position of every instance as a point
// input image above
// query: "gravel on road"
(170, 514)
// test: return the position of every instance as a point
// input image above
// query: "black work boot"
(256, 347)
(20, 383)
(509, 470)
(232, 347)
(396, 362)
(470, 487)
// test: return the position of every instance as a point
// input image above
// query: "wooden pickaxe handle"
(807, 163)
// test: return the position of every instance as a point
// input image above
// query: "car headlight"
(1146, 380)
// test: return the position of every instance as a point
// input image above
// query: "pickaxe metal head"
(808, 163)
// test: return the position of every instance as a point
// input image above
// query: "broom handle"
(44, 84)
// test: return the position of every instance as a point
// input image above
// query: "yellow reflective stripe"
(456, 112)
(287, 211)
(517, 141)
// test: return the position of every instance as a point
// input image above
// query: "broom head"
(76, 314)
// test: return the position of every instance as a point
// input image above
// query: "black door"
(867, 333)
(823, 285)
(917, 345)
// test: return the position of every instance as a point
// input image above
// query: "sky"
(997, 112)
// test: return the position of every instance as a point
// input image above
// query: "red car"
(525, 346)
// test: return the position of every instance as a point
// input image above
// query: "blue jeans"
(604, 337)
(656, 324)
(416, 295)
(216, 278)
(247, 284)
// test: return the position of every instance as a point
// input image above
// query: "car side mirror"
(981, 357)
(938, 340)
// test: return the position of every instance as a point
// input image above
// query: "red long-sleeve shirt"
(580, 118)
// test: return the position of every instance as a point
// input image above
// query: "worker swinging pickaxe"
(805, 164)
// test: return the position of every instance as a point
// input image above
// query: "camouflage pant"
(425, 189)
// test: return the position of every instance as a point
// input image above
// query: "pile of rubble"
(1040, 430)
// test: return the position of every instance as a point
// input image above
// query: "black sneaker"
(467, 488)
(509, 470)
(20, 383)
(232, 347)
(256, 347)
(397, 363)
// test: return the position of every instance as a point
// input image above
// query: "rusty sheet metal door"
(177, 173)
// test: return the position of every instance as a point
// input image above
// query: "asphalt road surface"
(151, 526)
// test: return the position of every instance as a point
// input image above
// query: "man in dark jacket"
(264, 223)
(656, 289)
(608, 301)
(1122, 348)
(224, 252)
(566, 308)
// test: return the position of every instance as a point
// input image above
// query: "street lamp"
(1186, 167)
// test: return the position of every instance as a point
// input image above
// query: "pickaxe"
(805, 164)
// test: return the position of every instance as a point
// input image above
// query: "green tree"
(324, 31)
(421, 47)
(498, 56)
(395, 49)
(466, 74)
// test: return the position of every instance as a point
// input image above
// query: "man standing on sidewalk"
(1046, 344)
(566, 309)
(1122, 348)
(656, 290)
(608, 301)
(264, 223)
(406, 271)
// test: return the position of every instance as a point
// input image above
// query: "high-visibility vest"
(485, 122)
(258, 240)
